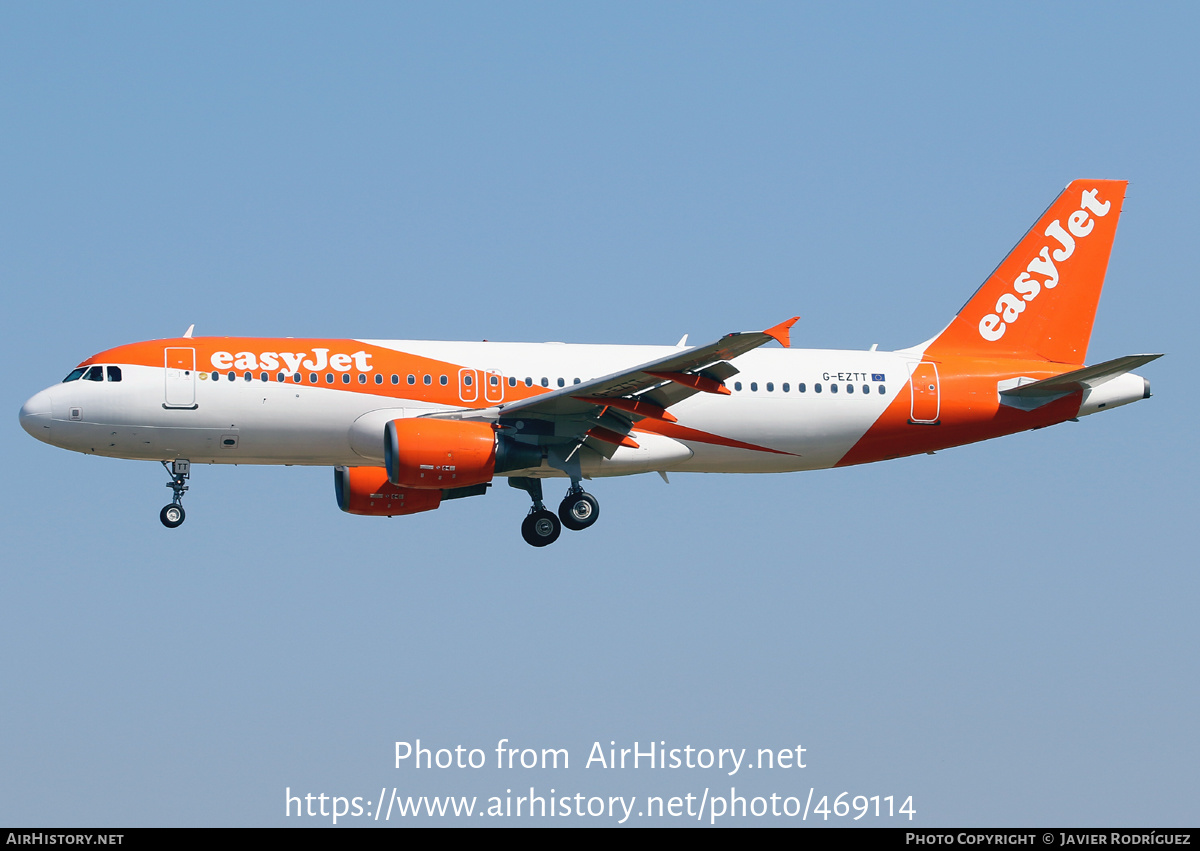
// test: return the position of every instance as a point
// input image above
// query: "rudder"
(1041, 300)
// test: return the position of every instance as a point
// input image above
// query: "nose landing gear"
(173, 515)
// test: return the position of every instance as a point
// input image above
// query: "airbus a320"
(407, 425)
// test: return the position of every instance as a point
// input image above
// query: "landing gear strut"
(540, 527)
(173, 515)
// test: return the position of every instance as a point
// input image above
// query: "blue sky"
(1006, 631)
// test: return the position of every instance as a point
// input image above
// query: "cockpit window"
(114, 373)
(75, 373)
(95, 373)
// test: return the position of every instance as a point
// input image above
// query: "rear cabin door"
(926, 399)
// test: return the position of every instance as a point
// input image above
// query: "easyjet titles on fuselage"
(314, 360)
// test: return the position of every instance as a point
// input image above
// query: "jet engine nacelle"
(366, 490)
(422, 452)
(427, 453)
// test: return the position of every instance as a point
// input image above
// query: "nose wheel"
(173, 515)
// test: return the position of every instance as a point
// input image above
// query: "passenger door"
(180, 366)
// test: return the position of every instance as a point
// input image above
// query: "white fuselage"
(256, 421)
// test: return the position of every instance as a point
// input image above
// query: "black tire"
(541, 528)
(172, 515)
(579, 510)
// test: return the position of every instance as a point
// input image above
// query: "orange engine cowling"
(366, 490)
(428, 453)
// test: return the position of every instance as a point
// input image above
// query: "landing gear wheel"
(172, 515)
(540, 528)
(579, 510)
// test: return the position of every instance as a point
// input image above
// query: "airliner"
(407, 425)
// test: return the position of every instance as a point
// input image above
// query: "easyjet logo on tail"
(314, 360)
(1026, 287)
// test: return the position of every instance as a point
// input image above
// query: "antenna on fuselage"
(188, 333)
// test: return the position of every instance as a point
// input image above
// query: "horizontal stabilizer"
(1069, 382)
(1028, 394)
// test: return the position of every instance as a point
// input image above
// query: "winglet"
(781, 332)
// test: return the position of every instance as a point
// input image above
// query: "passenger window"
(248, 376)
(264, 377)
(114, 373)
(216, 376)
(801, 387)
(754, 386)
(576, 381)
(785, 387)
(428, 379)
(770, 387)
(443, 380)
(849, 388)
(467, 380)
(362, 378)
(329, 378)
(512, 381)
(345, 378)
(395, 378)
(75, 374)
(378, 378)
(412, 379)
(832, 388)
(866, 388)
(528, 381)
(881, 390)
(313, 378)
(545, 381)
(737, 385)
(95, 373)
(816, 388)
(297, 378)
(232, 375)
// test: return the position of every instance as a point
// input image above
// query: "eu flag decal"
(877, 376)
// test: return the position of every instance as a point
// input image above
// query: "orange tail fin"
(1041, 300)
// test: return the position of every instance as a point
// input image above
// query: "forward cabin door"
(926, 398)
(181, 378)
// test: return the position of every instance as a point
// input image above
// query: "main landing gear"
(579, 509)
(541, 527)
(173, 515)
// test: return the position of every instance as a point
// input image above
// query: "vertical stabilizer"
(1040, 302)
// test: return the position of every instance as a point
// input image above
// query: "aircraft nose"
(35, 415)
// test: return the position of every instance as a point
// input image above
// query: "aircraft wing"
(610, 403)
